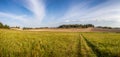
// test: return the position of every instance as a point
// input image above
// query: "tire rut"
(86, 51)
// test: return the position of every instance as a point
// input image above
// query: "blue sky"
(42, 13)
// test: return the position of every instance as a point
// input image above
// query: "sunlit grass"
(58, 44)
(108, 44)
(37, 44)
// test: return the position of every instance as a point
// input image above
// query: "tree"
(1, 25)
(4, 26)
(76, 26)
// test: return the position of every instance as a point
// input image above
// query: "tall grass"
(106, 44)
(37, 44)
(58, 44)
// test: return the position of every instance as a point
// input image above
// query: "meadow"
(58, 44)
(104, 44)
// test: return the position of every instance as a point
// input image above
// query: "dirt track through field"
(96, 50)
(86, 51)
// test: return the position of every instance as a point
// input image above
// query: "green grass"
(104, 44)
(58, 44)
(37, 44)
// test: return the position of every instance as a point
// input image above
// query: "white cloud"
(12, 16)
(23, 19)
(108, 12)
(37, 7)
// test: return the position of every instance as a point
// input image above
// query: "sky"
(52, 13)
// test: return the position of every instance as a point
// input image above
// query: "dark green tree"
(76, 26)
(4, 26)
(1, 25)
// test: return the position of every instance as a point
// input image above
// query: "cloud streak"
(12, 16)
(15, 20)
(37, 7)
(107, 12)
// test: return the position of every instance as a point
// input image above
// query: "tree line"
(4, 26)
(76, 26)
(63, 26)
(104, 27)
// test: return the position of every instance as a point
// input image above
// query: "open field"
(76, 30)
(104, 44)
(58, 44)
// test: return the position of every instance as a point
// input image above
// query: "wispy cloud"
(104, 14)
(107, 13)
(19, 20)
(12, 16)
(23, 19)
(37, 7)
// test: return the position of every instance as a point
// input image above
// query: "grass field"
(58, 44)
(104, 44)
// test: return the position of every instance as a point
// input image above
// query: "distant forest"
(66, 26)
(61, 26)
(76, 26)
(72, 26)
(4, 26)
